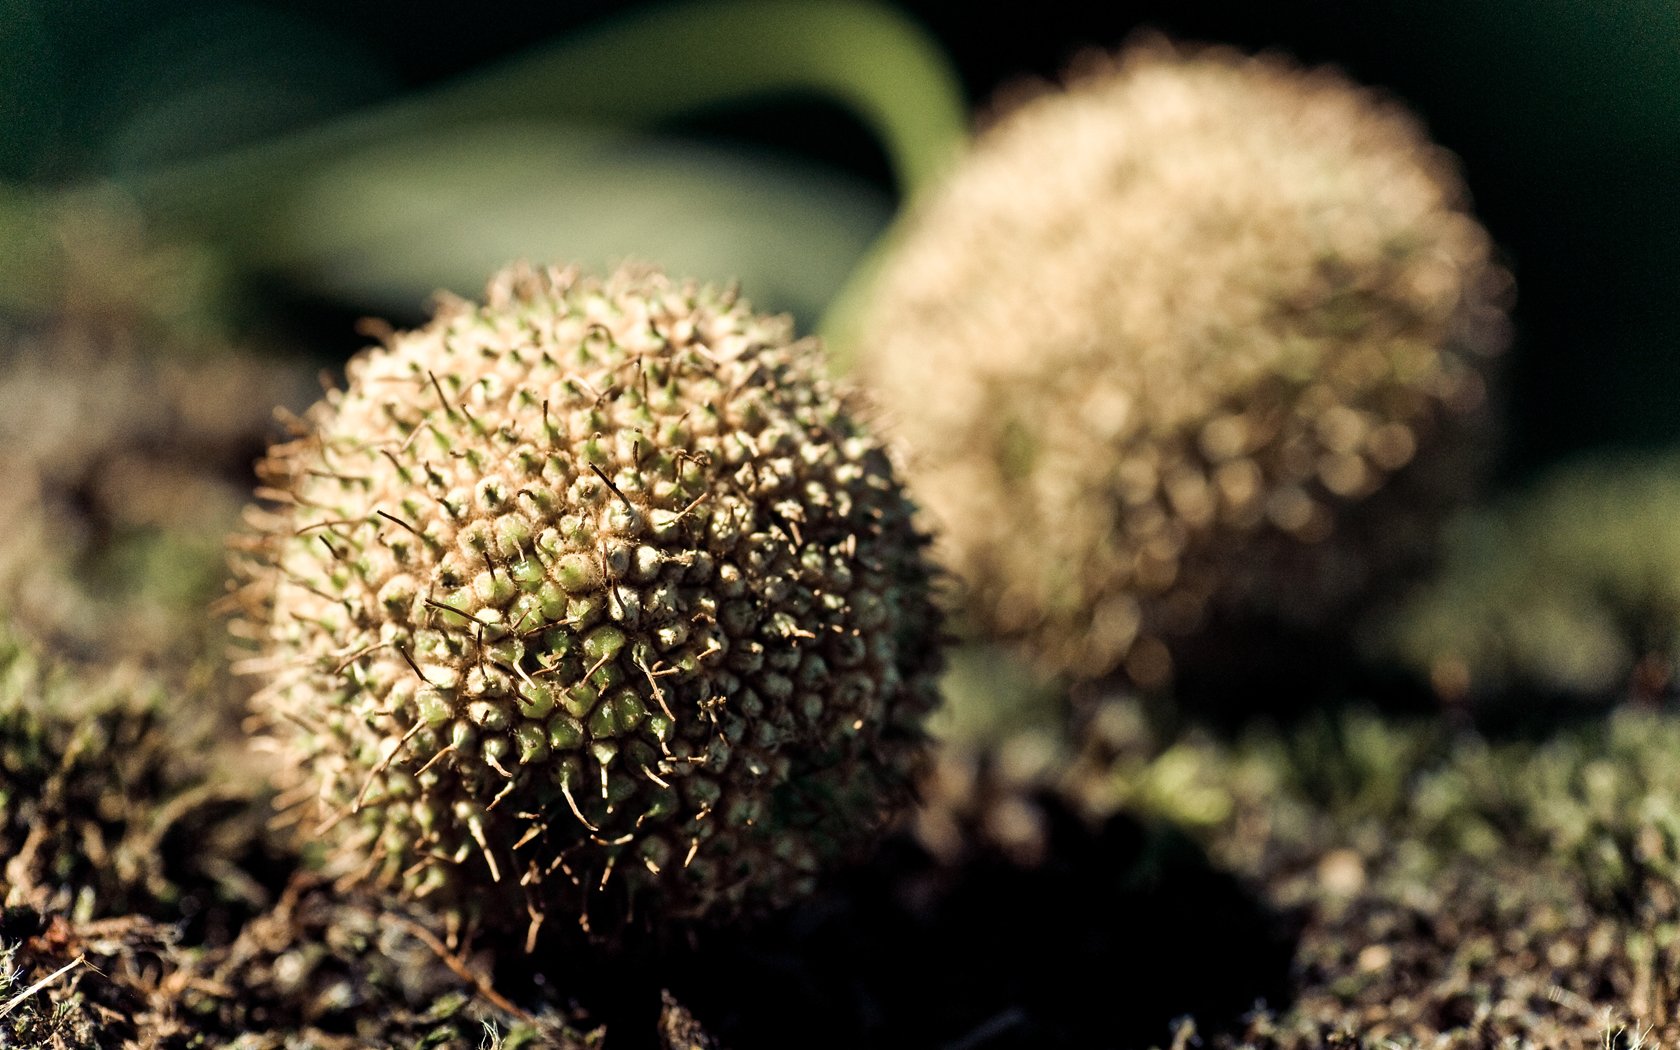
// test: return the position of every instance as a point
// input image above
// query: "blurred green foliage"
(385, 224)
(248, 127)
(1568, 590)
(1567, 117)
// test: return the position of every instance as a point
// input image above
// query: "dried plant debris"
(57, 991)
(320, 969)
(1449, 891)
(1570, 589)
(678, 1030)
(143, 902)
(337, 968)
(114, 800)
(1226, 357)
(125, 840)
(127, 434)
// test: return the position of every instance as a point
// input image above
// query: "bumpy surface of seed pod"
(1162, 331)
(600, 585)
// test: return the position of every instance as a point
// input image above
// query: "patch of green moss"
(112, 800)
(145, 903)
(1449, 890)
(1571, 588)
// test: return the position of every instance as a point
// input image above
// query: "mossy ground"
(1351, 880)
(1447, 890)
(1077, 876)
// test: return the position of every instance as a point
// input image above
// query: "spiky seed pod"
(600, 584)
(1191, 337)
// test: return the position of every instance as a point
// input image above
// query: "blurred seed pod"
(128, 427)
(1201, 337)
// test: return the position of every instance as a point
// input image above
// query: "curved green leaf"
(386, 225)
(638, 71)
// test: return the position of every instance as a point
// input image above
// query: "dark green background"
(1566, 114)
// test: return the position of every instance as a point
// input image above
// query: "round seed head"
(1194, 337)
(597, 586)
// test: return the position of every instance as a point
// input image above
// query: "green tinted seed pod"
(1194, 339)
(615, 511)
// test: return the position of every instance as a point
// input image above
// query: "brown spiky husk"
(595, 598)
